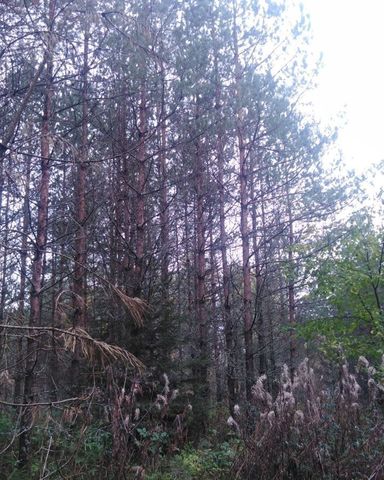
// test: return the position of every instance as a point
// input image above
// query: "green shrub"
(194, 464)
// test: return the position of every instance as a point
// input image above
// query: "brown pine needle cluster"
(135, 306)
(96, 350)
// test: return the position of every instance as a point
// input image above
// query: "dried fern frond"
(96, 350)
(136, 306)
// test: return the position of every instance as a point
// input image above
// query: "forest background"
(191, 281)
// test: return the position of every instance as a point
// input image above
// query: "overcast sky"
(350, 33)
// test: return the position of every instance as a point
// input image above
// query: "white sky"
(350, 33)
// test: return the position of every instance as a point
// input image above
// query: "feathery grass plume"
(166, 383)
(163, 400)
(96, 350)
(305, 377)
(308, 433)
(260, 394)
(123, 410)
(139, 472)
(174, 394)
(285, 399)
(350, 389)
(372, 389)
(362, 363)
(285, 380)
(231, 422)
(298, 417)
(305, 380)
(181, 434)
(271, 417)
(135, 306)
(375, 389)
(268, 417)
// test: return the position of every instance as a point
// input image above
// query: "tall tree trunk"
(124, 222)
(201, 370)
(121, 225)
(165, 313)
(39, 249)
(227, 314)
(188, 262)
(291, 287)
(201, 312)
(244, 227)
(140, 206)
(4, 266)
(23, 279)
(259, 313)
(214, 324)
(80, 258)
(164, 207)
(79, 274)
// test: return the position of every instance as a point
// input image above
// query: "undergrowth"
(312, 428)
(213, 462)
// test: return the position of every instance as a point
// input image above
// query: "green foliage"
(191, 463)
(84, 450)
(349, 296)
(156, 442)
(91, 448)
(5, 426)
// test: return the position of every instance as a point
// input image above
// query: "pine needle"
(136, 306)
(96, 350)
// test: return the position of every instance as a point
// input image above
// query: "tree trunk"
(201, 313)
(23, 279)
(227, 314)
(39, 250)
(214, 324)
(4, 267)
(259, 313)
(79, 274)
(80, 258)
(164, 207)
(140, 207)
(244, 227)
(291, 288)
(201, 368)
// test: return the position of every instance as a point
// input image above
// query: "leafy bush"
(156, 442)
(201, 463)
